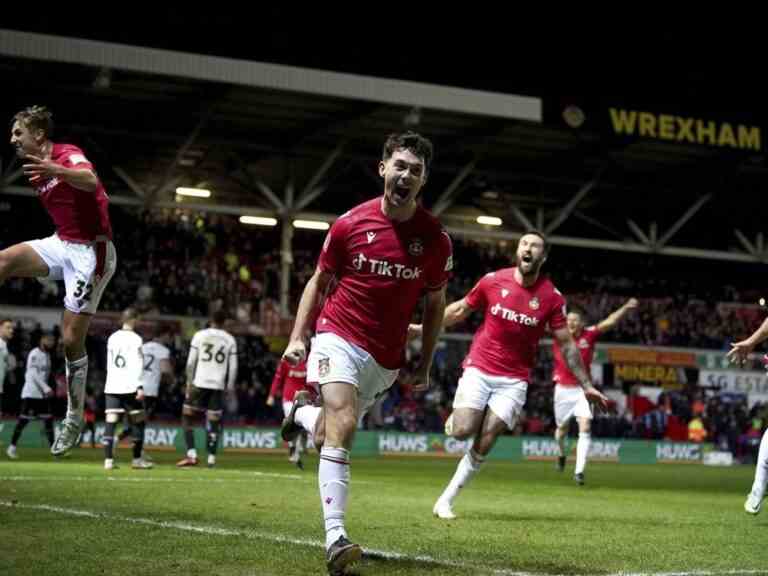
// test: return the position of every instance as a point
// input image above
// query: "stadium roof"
(273, 138)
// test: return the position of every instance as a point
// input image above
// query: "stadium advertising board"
(684, 124)
(369, 443)
(737, 381)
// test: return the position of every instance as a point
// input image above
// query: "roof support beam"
(130, 182)
(311, 189)
(684, 218)
(571, 205)
(449, 194)
(458, 230)
(168, 179)
(522, 218)
(271, 196)
(639, 233)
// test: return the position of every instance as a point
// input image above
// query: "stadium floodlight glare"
(489, 220)
(258, 220)
(311, 224)
(194, 192)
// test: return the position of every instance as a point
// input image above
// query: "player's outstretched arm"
(576, 366)
(613, 318)
(454, 313)
(309, 307)
(434, 310)
(81, 178)
(741, 350)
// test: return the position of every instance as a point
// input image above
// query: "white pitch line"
(369, 552)
(256, 476)
(250, 477)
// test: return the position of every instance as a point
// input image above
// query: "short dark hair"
(36, 118)
(576, 309)
(412, 141)
(541, 235)
(219, 317)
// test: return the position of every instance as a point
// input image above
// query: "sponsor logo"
(403, 443)
(48, 186)
(604, 450)
(678, 452)
(513, 316)
(250, 439)
(384, 268)
(539, 448)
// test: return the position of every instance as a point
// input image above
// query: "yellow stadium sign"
(646, 373)
(686, 130)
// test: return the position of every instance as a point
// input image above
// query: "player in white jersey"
(123, 390)
(739, 353)
(211, 368)
(36, 394)
(157, 369)
(6, 333)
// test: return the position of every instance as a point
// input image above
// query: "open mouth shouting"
(401, 190)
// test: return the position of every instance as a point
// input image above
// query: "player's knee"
(343, 422)
(462, 429)
(71, 341)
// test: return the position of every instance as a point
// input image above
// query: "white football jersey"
(37, 374)
(3, 362)
(213, 359)
(125, 362)
(153, 352)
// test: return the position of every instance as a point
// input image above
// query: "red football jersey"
(382, 268)
(289, 379)
(586, 342)
(516, 318)
(79, 216)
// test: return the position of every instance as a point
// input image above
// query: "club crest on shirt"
(504, 292)
(416, 247)
(534, 303)
(324, 367)
(583, 344)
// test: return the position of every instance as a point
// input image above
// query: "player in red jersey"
(570, 401)
(383, 256)
(519, 305)
(288, 381)
(80, 252)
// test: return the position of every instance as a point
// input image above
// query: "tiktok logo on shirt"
(384, 268)
(513, 316)
(49, 185)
